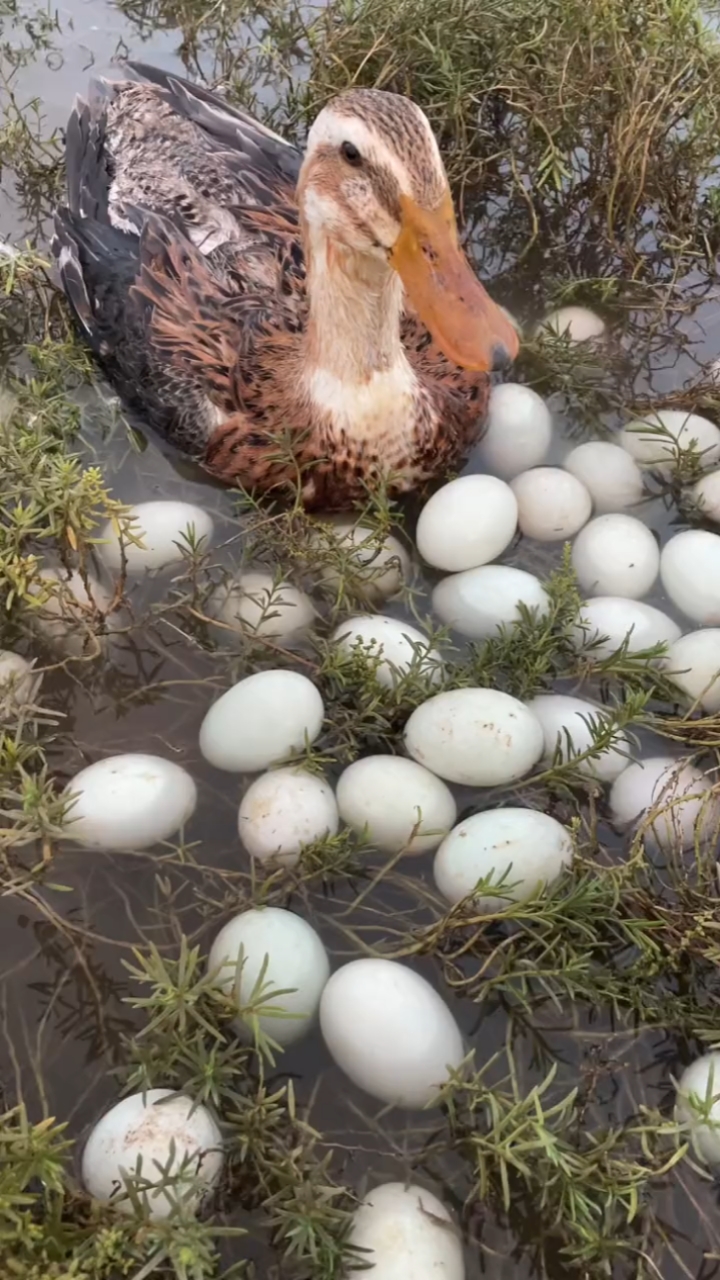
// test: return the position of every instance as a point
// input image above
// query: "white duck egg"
(678, 793)
(380, 563)
(261, 721)
(284, 810)
(398, 646)
(405, 1231)
(518, 850)
(611, 476)
(70, 618)
(480, 601)
(466, 523)
(128, 802)
(690, 573)
(707, 495)
(552, 504)
(693, 661)
(607, 622)
(616, 555)
(19, 682)
(698, 1106)
(390, 1032)
(392, 799)
(567, 722)
(657, 440)
(286, 952)
(479, 737)
(576, 323)
(257, 603)
(149, 1138)
(519, 430)
(166, 530)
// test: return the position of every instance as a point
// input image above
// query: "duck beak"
(464, 321)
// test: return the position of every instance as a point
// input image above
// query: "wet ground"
(61, 969)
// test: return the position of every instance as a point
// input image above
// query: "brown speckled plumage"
(181, 255)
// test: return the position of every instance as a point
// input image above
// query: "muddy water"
(63, 977)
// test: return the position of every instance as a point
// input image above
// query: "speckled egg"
(479, 737)
(518, 850)
(144, 1134)
(616, 555)
(284, 810)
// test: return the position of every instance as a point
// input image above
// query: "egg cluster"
(385, 1027)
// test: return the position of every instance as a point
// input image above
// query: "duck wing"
(178, 206)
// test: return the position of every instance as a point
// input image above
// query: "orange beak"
(464, 321)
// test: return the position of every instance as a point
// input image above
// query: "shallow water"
(63, 979)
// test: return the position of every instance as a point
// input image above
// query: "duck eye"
(349, 152)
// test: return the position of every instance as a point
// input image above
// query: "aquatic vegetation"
(558, 1148)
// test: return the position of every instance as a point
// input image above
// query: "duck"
(299, 324)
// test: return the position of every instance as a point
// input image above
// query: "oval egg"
(680, 795)
(390, 1032)
(616, 555)
(405, 1232)
(284, 810)
(262, 720)
(577, 324)
(552, 504)
(479, 737)
(519, 430)
(611, 476)
(698, 1106)
(380, 563)
(566, 723)
(518, 850)
(656, 441)
(690, 573)
(167, 530)
(288, 954)
(478, 602)
(399, 805)
(73, 618)
(399, 646)
(144, 1134)
(467, 523)
(19, 682)
(693, 662)
(607, 622)
(256, 603)
(707, 495)
(129, 801)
